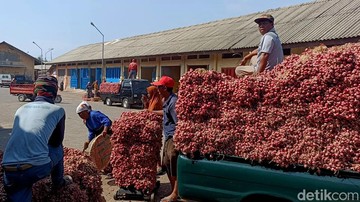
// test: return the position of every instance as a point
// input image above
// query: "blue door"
(74, 78)
(85, 77)
(98, 75)
(113, 74)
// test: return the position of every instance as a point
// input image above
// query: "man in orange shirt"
(132, 69)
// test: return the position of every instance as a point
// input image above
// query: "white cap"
(83, 106)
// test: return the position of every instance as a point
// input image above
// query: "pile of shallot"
(2, 190)
(86, 184)
(137, 141)
(305, 111)
(109, 87)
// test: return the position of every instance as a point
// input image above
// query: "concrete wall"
(15, 62)
(180, 64)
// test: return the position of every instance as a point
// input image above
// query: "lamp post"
(41, 57)
(48, 51)
(45, 56)
(102, 52)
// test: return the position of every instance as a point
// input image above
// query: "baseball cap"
(83, 106)
(264, 17)
(164, 81)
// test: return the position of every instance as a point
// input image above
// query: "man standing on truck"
(269, 53)
(165, 86)
(132, 69)
(35, 149)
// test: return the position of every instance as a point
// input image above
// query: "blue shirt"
(169, 118)
(95, 121)
(36, 124)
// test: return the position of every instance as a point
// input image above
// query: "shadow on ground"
(4, 137)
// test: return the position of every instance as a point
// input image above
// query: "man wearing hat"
(165, 86)
(96, 122)
(269, 53)
(35, 149)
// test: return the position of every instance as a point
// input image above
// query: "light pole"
(45, 56)
(41, 57)
(48, 51)
(102, 52)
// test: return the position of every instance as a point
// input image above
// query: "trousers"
(18, 184)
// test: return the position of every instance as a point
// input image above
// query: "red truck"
(26, 91)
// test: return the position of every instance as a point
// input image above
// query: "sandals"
(169, 199)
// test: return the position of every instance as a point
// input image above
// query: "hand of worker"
(86, 145)
(243, 61)
(104, 133)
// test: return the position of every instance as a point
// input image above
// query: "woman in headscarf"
(153, 102)
(154, 99)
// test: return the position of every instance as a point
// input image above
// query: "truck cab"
(5, 80)
(130, 93)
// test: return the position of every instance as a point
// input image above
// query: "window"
(144, 60)
(109, 62)
(287, 51)
(204, 56)
(192, 57)
(126, 61)
(61, 72)
(232, 55)
(127, 84)
(165, 58)
(177, 57)
(152, 59)
(117, 61)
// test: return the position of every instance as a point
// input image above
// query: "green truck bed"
(234, 180)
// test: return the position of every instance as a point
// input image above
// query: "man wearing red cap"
(165, 86)
(269, 53)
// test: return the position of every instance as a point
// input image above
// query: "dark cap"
(264, 17)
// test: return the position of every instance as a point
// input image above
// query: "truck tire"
(125, 103)
(21, 98)
(108, 101)
(58, 99)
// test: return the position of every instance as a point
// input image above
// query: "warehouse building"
(218, 45)
(16, 62)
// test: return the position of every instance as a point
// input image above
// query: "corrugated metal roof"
(315, 21)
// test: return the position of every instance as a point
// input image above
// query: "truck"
(128, 93)
(5, 80)
(26, 91)
(231, 178)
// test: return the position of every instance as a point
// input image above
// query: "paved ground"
(75, 131)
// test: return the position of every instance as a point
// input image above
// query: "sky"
(64, 25)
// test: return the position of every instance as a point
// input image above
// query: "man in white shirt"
(269, 53)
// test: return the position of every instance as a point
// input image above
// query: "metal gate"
(113, 74)
(85, 77)
(74, 78)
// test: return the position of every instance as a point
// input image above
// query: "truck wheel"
(58, 99)
(108, 102)
(21, 98)
(125, 103)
